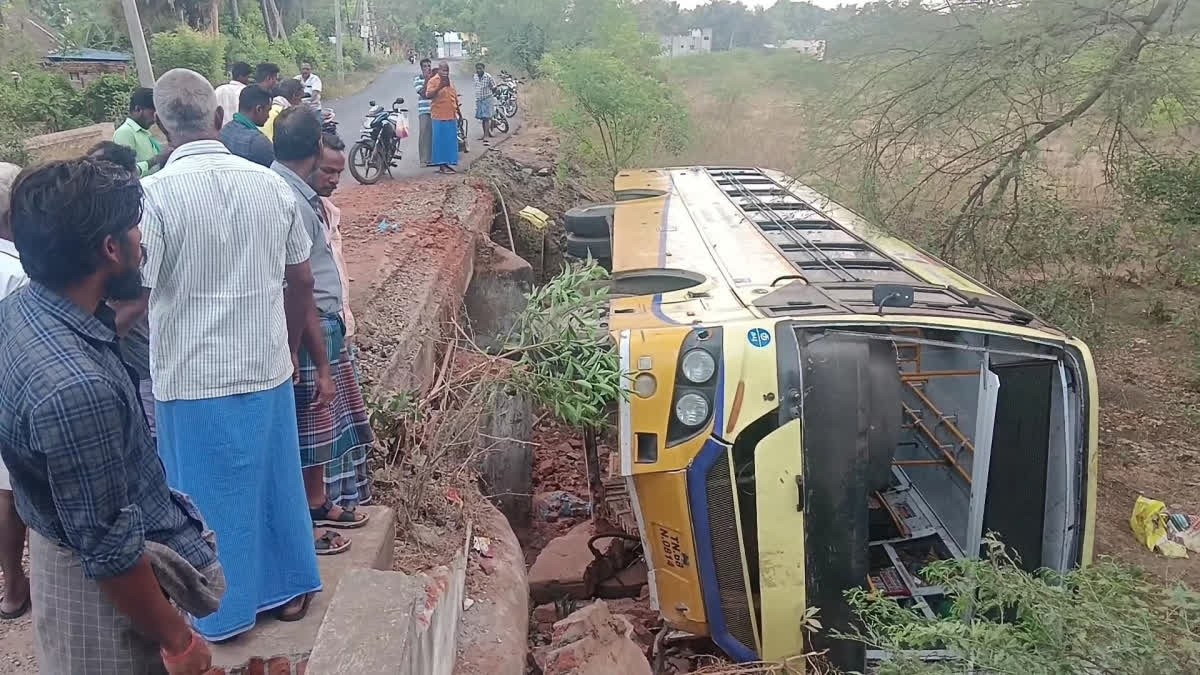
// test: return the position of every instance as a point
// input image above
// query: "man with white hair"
(15, 602)
(231, 299)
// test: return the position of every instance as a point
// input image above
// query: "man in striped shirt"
(231, 295)
(425, 128)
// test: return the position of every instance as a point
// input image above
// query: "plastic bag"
(401, 126)
(1149, 525)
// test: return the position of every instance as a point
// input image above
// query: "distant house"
(450, 46)
(695, 41)
(82, 66)
(813, 48)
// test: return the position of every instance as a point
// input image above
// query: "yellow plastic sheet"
(1149, 524)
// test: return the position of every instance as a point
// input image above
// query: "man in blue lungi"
(485, 99)
(231, 295)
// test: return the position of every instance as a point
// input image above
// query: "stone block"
(566, 568)
(371, 549)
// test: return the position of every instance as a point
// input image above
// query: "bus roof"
(770, 246)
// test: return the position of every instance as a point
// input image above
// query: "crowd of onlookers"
(181, 423)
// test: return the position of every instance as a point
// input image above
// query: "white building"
(696, 41)
(450, 46)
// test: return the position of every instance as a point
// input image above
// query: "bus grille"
(727, 555)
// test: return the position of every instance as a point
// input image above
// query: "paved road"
(398, 81)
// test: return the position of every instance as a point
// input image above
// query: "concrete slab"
(372, 549)
(391, 622)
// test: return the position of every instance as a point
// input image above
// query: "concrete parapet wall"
(68, 144)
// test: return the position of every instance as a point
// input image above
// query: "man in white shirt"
(228, 94)
(312, 84)
(12, 530)
(231, 299)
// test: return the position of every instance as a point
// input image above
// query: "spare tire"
(582, 247)
(593, 220)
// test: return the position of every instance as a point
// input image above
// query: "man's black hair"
(481, 64)
(289, 88)
(62, 212)
(265, 70)
(142, 97)
(253, 96)
(297, 134)
(426, 62)
(333, 141)
(121, 155)
(239, 70)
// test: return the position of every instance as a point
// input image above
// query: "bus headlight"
(698, 366)
(692, 409)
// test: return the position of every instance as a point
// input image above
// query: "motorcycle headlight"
(691, 409)
(698, 366)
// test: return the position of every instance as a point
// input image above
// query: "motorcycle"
(462, 131)
(328, 119)
(378, 147)
(499, 120)
(506, 94)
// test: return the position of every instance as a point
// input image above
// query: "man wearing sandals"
(227, 265)
(327, 432)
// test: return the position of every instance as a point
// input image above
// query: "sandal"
(300, 614)
(348, 520)
(18, 612)
(326, 546)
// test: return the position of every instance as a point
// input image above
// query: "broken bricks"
(593, 641)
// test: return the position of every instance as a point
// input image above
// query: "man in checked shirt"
(106, 533)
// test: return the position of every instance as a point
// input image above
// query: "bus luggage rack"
(820, 249)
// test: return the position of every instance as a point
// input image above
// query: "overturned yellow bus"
(815, 405)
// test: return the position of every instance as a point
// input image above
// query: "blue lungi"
(483, 108)
(445, 142)
(238, 457)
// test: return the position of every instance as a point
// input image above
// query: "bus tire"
(591, 221)
(583, 247)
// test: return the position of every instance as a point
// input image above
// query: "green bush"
(310, 47)
(1164, 202)
(40, 101)
(1103, 618)
(613, 112)
(107, 99)
(185, 48)
(248, 43)
(12, 144)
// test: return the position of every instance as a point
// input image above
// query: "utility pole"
(337, 23)
(141, 55)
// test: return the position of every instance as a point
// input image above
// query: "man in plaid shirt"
(86, 477)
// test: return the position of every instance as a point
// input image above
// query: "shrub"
(40, 101)
(185, 48)
(1103, 618)
(248, 42)
(107, 99)
(12, 144)
(309, 47)
(1164, 204)
(613, 112)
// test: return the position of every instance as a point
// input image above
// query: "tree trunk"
(237, 14)
(214, 17)
(273, 20)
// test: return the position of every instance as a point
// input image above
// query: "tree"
(612, 110)
(948, 106)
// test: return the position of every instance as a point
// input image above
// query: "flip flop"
(289, 618)
(325, 545)
(349, 519)
(19, 612)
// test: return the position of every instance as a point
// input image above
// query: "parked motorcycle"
(378, 147)
(499, 120)
(506, 94)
